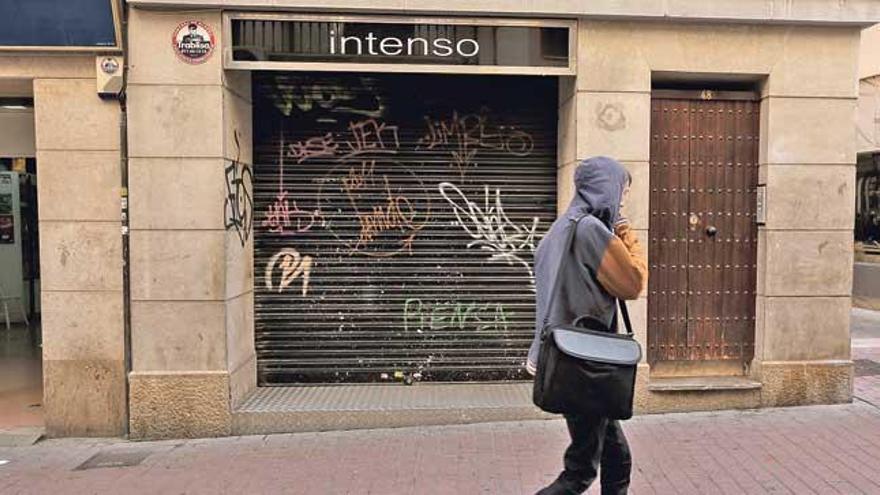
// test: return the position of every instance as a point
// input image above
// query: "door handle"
(711, 231)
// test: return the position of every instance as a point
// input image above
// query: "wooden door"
(703, 235)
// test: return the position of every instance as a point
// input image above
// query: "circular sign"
(109, 65)
(193, 42)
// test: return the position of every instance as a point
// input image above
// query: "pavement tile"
(816, 449)
(799, 450)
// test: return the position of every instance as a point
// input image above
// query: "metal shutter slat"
(347, 182)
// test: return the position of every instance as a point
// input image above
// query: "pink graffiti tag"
(397, 214)
(313, 147)
(280, 216)
(464, 135)
(372, 136)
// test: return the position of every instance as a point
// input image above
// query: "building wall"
(180, 380)
(192, 263)
(869, 52)
(77, 150)
(761, 11)
(868, 125)
(192, 260)
(185, 258)
(241, 359)
(807, 158)
(869, 96)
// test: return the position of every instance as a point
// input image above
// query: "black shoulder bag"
(585, 367)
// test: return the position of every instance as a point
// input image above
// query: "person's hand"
(621, 223)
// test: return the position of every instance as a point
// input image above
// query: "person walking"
(608, 264)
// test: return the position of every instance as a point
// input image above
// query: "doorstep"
(701, 383)
(21, 436)
(348, 407)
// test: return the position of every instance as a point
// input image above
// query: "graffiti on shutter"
(395, 222)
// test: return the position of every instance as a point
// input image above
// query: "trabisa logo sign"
(391, 46)
(193, 42)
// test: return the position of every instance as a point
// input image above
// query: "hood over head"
(599, 182)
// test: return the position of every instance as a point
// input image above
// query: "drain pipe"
(123, 173)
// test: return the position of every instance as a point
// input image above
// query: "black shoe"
(565, 484)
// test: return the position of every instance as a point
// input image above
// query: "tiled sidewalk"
(820, 449)
(800, 450)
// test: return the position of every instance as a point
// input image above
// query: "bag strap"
(558, 280)
(625, 313)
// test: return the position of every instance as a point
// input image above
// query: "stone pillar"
(805, 253)
(606, 111)
(77, 141)
(241, 360)
(180, 379)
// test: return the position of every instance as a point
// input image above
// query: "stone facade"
(190, 137)
(81, 258)
(804, 259)
(178, 250)
(78, 152)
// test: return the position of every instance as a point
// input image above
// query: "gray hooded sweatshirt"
(599, 183)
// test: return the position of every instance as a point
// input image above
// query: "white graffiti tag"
(292, 265)
(490, 227)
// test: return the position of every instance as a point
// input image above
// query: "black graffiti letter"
(238, 204)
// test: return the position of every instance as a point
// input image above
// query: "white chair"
(4, 299)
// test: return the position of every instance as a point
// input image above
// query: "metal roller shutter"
(396, 220)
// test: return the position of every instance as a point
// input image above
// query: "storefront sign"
(193, 41)
(392, 46)
(285, 43)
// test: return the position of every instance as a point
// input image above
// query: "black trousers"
(596, 443)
